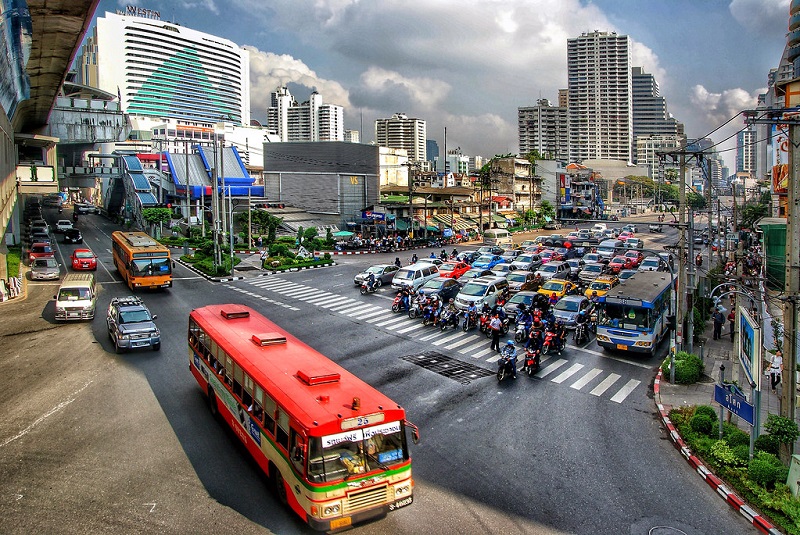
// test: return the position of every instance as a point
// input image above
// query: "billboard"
(749, 346)
(780, 158)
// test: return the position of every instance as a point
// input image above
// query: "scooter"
(470, 321)
(366, 287)
(415, 310)
(504, 367)
(521, 333)
(397, 304)
(428, 315)
(532, 362)
(550, 342)
(581, 334)
(448, 318)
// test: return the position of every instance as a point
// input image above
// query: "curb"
(262, 274)
(716, 484)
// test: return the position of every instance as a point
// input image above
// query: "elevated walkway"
(196, 171)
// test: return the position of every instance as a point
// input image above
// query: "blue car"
(488, 261)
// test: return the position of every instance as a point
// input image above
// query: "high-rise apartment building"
(310, 121)
(163, 70)
(352, 136)
(543, 128)
(400, 132)
(431, 150)
(600, 98)
(746, 151)
(650, 116)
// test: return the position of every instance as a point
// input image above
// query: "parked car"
(39, 237)
(83, 260)
(568, 308)
(453, 270)
(520, 280)
(73, 236)
(383, 274)
(45, 269)
(473, 273)
(130, 324)
(487, 261)
(40, 250)
(444, 288)
(63, 225)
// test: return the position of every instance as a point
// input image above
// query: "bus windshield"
(150, 266)
(625, 317)
(340, 456)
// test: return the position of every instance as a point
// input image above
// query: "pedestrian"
(263, 257)
(776, 370)
(719, 321)
(495, 325)
(260, 242)
(731, 319)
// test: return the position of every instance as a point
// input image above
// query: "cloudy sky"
(467, 65)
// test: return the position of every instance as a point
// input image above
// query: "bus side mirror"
(414, 432)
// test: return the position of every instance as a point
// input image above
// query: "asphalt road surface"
(98, 442)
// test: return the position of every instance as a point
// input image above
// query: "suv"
(554, 270)
(130, 324)
(479, 291)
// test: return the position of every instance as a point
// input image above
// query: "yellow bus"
(141, 260)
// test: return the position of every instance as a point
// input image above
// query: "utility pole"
(681, 315)
(188, 211)
(691, 285)
(215, 205)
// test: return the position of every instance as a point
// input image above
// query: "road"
(577, 449)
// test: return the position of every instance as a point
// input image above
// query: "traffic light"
(671, 322)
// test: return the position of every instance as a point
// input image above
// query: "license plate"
(341, 522)
(622, 346)
(73, 315)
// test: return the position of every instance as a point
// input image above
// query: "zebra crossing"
(472, 344)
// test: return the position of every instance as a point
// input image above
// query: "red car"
(546, 255)
(623, 236)
(40, 250)
(84, 259)
(635, 256)
(618, 263)
(453, 270)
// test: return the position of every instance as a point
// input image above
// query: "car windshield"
(433, 284)
(472, 273)
(134, 316)
(567, 305)
(447, 267)
(148, 267)
(45, 262)
(650, 262)
(73, 294)
(375, 269)
(485, 259)
(524, 258)
(473, 289)
(338, 457)
(549, 269)
(553, 285)
(84, 254)
(521, 298)
(41, 249)
(517, 277)
(592, 268)
(600, 286)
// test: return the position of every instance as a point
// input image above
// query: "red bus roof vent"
(312, 379)
(269, 339)
(230, 312)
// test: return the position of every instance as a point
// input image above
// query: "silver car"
(383, 274)
(568, 308)
(45, 269)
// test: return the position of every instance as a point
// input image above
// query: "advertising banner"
(749, 346)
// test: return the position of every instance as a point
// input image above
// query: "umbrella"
(342, 234)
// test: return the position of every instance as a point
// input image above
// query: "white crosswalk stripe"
(401, 319)
(288, 289)
(544, 372)
(488, 351)
(319, 299)
(451, 338)
(566, 374)
(461, 342)
(586, 379)
(623, 392)
(605, 385)
(337, 301)
(434, 335)
(368, 313)
(354, 309)
(305, 293)
(406, 329)
(346, 306)
(472, 348)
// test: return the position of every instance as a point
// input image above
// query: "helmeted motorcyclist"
(397, 262)
(510, 351)
(535, 335)
(370, 280)
(560, 334)
(553, 299)
(472, 311)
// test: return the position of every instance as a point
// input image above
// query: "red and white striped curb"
(713, 481)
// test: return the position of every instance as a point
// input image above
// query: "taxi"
(601, 285)
(560, 287)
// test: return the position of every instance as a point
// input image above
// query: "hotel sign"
(137, 11)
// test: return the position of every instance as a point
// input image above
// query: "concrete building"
(600, 97)
(401, 132)
(544, 128)
(308, 121)
(746, 151)
(431, 150)
(648, 147)
(160, 69)
(650, 115)
(352, 136)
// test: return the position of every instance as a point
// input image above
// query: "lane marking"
(625, 391)
(566, 374)
(605, 385)
(550, 369)
(586, 379)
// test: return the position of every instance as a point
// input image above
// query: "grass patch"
(13, 259)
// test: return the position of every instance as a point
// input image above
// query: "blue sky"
(468, 64)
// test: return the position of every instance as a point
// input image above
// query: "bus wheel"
(212, 403)
(280, 486)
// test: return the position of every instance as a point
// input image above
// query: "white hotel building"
(162, 70)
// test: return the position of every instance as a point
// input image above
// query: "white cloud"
(419, 93)
(761, 16)
(717, 108)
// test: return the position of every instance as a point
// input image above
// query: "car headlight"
(123, 336)
(402, 490)
(331, 509)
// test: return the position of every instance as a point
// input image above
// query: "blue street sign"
(728, 397)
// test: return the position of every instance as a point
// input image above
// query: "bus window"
(155, 266)
(282, 431)
(247, 395)
(269, 414)
(238, 379)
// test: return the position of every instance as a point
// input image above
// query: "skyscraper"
(310, 121)
(650, 116)
(600, 99)
(746, 151)
(163, 70)
(543, 128)
(400, 132)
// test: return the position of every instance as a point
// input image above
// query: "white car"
(63, 225)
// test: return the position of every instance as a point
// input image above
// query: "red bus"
(334, 448)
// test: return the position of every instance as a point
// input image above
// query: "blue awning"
(147, 199)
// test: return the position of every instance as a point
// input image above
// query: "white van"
(599, 227)
(609, 248)
(77, 297)
(497, 236)
(414, 276)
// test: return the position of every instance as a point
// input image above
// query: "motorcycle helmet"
(509, 342)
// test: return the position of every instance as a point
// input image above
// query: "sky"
(467, 65)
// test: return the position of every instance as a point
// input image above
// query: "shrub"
(765, 469)
(767, 444)
(723, 453)
(783, 429)
(279, 249)
(705, 409)
(742, 454)
(735, 436)
(701, 423)
(688, 367)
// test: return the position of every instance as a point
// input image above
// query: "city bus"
(141, 260)
(633, 315)
(333, 447)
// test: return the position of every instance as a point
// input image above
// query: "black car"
(443, 287)
(73, 236)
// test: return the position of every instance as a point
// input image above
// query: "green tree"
(695, 200)
(309, 234)
(157, 215)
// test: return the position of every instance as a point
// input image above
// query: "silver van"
(77, 297)
(497, 236)
(609, 248)
(414, 276)
(481, 290)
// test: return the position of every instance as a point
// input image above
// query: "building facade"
(401, 132)
(650, 115)
(544, 128)
(600, 97)
(161, 69)
(746, 151)
(308, 121)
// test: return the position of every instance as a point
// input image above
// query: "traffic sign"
(729, 396)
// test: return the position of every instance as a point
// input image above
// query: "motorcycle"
(428, 315)
(532, 362)
(504, 324)
(366, 287)
(448, 318)
(415, 310)
(521, 333)
(581, 333)
(397, 304)
(550, 342)
(470, 321)
(504, 366)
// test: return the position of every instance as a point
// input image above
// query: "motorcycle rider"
(535, 335)
(397, 262)
(553, 299)
(454, 254)
(370, 280)
(405, 293)
(525, 319)
(510, 351)
(471, 313)
(414, 258)
(582, 321)
(449, 310)
(560, 335)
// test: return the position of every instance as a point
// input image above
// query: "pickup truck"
(130, 324)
